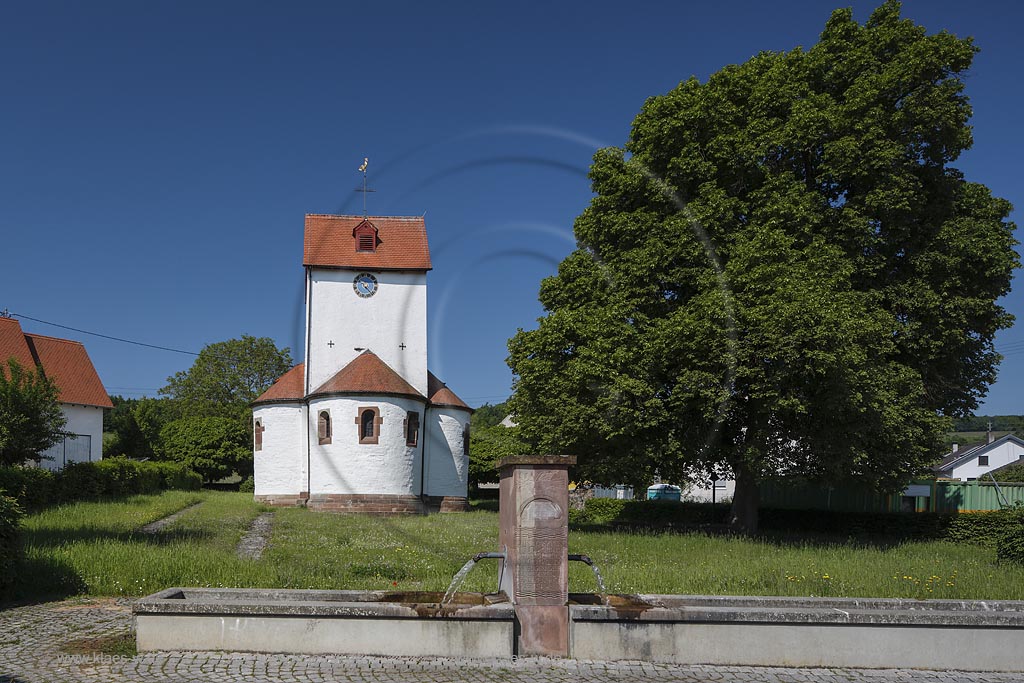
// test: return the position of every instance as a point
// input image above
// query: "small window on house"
(412, 429)
(366, 242)
(257, 435)
(465, 439)
(369, 422)
(719, 483)
(323, 427)
(983, 460)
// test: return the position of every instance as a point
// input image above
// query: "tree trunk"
(745, 502)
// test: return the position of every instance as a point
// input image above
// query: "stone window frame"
(323, 427)
(411, 427)
(376, 421)
(257, 434)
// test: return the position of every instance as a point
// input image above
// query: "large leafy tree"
(781, 274)
(30, 416)
(227, 376)
(212, 446)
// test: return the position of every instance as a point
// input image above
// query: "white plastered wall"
(82, 421)
(447, 471)
(396, 315)
(1003, 454)
(346, 466)
(280, 466)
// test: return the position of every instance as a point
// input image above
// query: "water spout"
(460, 576)
(585, 559)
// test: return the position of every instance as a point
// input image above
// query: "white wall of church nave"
(280, 466)
(395, 315)
(347, 466)
(447, 471)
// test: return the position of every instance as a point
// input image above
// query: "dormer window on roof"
(365, 235)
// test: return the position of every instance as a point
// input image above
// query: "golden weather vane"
(364, 189)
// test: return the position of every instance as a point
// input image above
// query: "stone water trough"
(534, 614)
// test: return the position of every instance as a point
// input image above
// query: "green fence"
(924, 496)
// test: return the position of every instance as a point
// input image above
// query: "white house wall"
(396, 314)
(346, 466)
(280, 466)
(1002, 454)
(447, 471)
(82, 421)
(726, 489)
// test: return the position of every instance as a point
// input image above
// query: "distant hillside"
(973, 431)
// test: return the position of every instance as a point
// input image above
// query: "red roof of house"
(441, 395)
(289, 387)
(367, 374)
(401, 243)
(12, 343)
(62, 360)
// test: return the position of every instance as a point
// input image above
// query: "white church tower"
(362, 426)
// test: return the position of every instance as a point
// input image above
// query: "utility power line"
(104, 336)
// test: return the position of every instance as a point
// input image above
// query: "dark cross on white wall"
(402, 346)
(331, 343)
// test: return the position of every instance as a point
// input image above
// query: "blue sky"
(157, 158)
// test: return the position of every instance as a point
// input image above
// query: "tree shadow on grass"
(780, 538)
(42, 580)
(88, 534)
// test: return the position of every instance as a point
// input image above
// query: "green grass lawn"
(96, 549)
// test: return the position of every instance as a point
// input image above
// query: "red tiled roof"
(401, 243)
(12, 343)
(441, 395)
(367, 374)
(289, 387)
(62, 360)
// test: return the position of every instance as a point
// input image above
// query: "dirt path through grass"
(255, 540)
(161, 524)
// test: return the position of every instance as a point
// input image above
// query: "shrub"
(33, 488)
(175, 475)
(1010, 546)
(647, 513)
(10, 546)
(248, 486)
(80, 481)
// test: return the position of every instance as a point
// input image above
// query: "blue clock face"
(365, 285)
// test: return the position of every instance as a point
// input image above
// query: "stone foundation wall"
(371, 504)
(284, 499)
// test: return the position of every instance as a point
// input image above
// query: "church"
(362, 425)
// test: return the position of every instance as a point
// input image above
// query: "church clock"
(365, 285)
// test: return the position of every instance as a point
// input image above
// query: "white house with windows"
(968, 464)
(81, 393)
(362, 425)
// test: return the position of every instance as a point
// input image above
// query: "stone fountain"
(533, 612)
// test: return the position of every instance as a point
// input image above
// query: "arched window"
(465, 439)
(323, 427)
(257, 435)
(412, 428)
(369, 421)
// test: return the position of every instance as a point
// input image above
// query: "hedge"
(10, 545)
(1001, 528)
(1010, 546)
(35, 488)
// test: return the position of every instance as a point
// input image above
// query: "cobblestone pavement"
(34, 644)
